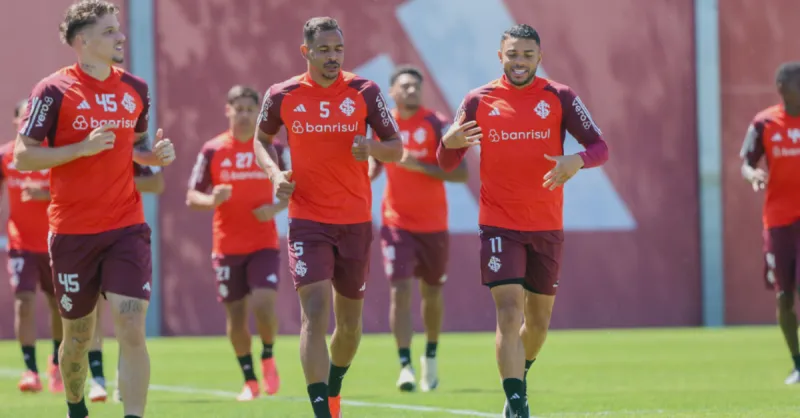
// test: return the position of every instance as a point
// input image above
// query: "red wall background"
(634, 68)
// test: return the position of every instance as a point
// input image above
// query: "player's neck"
(406, 113)
(241, 136)
(94, 70)
(791, 109)
(320, 79)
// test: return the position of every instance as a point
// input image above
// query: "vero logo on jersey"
(299, 128)
(81, 123)
(501, 135)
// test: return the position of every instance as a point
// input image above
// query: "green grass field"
(734, 372)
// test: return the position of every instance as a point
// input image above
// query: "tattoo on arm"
(143, 143)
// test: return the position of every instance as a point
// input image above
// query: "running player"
(28, 262)
(520, 121)
(148, 179)
(414, 235)
(90, 114)
(245, 251)
(326, 112)
(775, 135)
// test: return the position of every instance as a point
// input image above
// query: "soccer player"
(326, 112)
(414, 235)
(91, 114)
(245, 251)
(28, 262)
(148, 179)
(775, 135)
(519, 121)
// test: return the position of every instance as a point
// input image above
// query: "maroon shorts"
(414, 254)
(238, 275)
(781, 255)
(29, 271)
(340, 253)
(85, 265)
(531, 259)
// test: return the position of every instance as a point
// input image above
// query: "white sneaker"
(430, 374)
(97, 391)
(406, 381)
(793, 378)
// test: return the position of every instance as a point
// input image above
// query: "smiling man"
(520, 121)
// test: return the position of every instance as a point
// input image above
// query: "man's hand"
(283, 185)
(221, 193)
(34, 193)
(757, 177)
(99, 140)
(566, 167)
(163, 149)
(462, 136)
(267, 212)
(361, 147)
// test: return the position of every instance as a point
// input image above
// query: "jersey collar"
(535, 84)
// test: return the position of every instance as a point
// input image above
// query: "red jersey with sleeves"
(519, 127)
(776, 135)
(236, 231)
(415, 201)
(27, 221)
(321, 124)
(90, 194)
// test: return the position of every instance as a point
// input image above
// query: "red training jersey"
(90, 194)
(226, 160)
(321, 124)
(520, 126)
(416, 201)
(776, 135)
(27, 221)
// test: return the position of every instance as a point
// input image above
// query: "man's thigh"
(75, 263)
(399, 253)
(432, 253)
(231, 277)
(780, 259)
(351, 264)
(503, 256)
(126, 268)
(311, 252)
(29, 270)
(261, 269)
(544, 261)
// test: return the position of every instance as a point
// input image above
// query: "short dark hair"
(405, 69)
(83, 14)
(20, 107)
(522, 31)
(786, 71)
(316, 25)
(240, 91)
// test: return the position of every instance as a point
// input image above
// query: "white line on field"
(14, 373)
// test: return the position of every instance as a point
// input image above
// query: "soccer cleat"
(272, 382)
(507, 413)
(54, 382)
(335, 406)
(97, 391)
(793, 378)
(250, 391)
(116, 397)
(406, 381)
(29, 382)
(430, 374)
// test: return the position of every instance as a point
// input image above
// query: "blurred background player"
(774, 134)
(28, 261)
(245, 254)
(326, 112)
(148, 179)
(99, 240)
(519, 121)
(414, 236)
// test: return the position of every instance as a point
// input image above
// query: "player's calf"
(25, 328)
(432, 308)
(787, 319)
(509, 302)
(134, 363)
(345, 339)
(400, 322)
(263, 304)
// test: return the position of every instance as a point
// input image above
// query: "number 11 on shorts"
(497, 244)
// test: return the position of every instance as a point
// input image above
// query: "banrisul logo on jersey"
(299, 128)
(81, 123)
(501, 135)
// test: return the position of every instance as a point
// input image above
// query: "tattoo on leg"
(130, 306)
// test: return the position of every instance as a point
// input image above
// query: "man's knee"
(785, 302)
(315, 301)
(129, 318)
(263, 302)
(430, 293)
(509, 307)
(401, 292)
(25, 303)
(237, 315)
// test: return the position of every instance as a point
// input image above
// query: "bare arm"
(200, 201)
(153, 183)
(266, 154)
(388, 150)
(30, 155)
(458, 175)
(375, 169)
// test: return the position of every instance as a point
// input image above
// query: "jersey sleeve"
(144, 170)
(144, 118)
(41, 115)
(379, 118)
(753, 145)
(269, 119)
(439, 125)
(201, 179)
(578, 121)
(449, 159)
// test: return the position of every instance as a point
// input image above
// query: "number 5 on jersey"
(324, 112)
